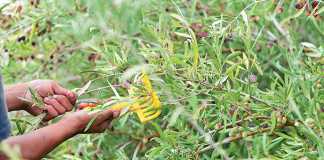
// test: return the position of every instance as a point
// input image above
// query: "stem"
(240, 136)
(239, 122)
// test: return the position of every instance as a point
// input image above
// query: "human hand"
(79, 120)
(57, 100)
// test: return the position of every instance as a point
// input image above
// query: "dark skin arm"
(49, 137)
(44, 138)
(57, 100)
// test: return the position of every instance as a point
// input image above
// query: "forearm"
(13, 94)
(40, 142)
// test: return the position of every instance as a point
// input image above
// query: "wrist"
(71, 128)
(76, 122)
(14, 94)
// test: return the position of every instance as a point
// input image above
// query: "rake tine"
(151, 117)
(148, 113)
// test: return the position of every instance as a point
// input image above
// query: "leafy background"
(240, 79)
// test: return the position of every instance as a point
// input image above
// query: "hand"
(80, 119)
(57, 99)
(47, 138)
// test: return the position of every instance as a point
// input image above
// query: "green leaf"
(20, 130)
(83, 90)
(246, 61)
(89, 125)
(36, 99)
(296, 15)
(114, 90)
(273, 121)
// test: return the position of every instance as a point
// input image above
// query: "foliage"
(237, 79)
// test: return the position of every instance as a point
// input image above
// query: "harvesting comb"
(147, 106)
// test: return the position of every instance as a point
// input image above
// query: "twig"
(149, 137)
(272, 37)
(123, 145)
(248, 134)
(282, 31)
(208, 137)
(253, 98)
(97, 89)
(136, 150)
(239, 122)
(233, 50)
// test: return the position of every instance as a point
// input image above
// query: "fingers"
(116, 113)
(103, 120)
(58, 90)
(104, 116)
(51, 112)
(57, 106)
(83, 118)
(104, 126)
(64, 101)
(109, 115)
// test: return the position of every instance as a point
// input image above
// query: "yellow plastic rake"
(147, 107)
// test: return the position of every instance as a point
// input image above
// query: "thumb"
(35, 110)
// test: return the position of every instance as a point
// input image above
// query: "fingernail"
(71, 94)
(115, 114)
(46, 99)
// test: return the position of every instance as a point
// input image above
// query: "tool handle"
(120, 106)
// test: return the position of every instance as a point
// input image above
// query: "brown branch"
(226, 50)
(248, 134)
(252, 97)
(257, 99)
(240, 122)
(282, 31)
(133, 138)
(149, 137)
